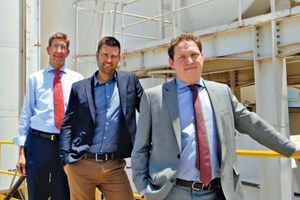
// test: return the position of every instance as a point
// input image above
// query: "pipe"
(14, 188)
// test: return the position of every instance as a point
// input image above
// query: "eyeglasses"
(62, 48)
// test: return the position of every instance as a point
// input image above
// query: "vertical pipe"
(240, 13)
(102, 20)
(76, 35)
(122, 23)
(114, 19)
(110, 22)
(22, 53)
(38, 34)
(161, 24)
(173, 18)
(178, 15)
(273, 7)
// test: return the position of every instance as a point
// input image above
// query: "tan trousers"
(109, 177)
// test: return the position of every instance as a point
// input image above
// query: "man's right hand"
(21, 164)
(66, 168)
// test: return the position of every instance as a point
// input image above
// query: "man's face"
(58, 52)
(188, 61)
(107, 59)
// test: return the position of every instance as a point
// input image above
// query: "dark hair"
(58, 35)
(109, 41)
(182, 37)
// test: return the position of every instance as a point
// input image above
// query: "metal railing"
(13, 187)
(260, 153)
(252, 153)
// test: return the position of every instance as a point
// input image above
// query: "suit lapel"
(171, 100)
(89, 91)
(215, 100)
(122, 84)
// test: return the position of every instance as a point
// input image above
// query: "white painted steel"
(16, 57)
(218, 12)
(11, 61)
(56, 16)
(145, 29)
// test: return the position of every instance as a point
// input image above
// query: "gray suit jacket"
(158, 140)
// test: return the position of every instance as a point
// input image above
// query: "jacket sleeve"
(258, 129)
(65, 138)
(142, 145)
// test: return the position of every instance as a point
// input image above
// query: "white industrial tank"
(218, 12)
(56, 16)
(14, 64)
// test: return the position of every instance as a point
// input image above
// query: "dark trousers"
(45, 176)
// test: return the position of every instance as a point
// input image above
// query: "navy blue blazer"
(79, 122)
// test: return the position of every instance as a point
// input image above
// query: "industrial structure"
(251, 45)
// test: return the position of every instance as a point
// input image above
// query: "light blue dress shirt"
(187, 169)
(37, 111)
(108, 112)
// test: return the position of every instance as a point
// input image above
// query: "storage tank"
(56, 16)
(209, 13)
(15, 65)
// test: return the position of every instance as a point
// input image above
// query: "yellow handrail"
(8, 173)
(6, 142)
(253, 153)
(260, 153)
(3, 171)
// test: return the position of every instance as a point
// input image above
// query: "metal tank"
(209, 13)
(16, 50)
(56, 16)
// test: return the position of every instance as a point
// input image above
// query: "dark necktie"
(203, 163)
(58, 99)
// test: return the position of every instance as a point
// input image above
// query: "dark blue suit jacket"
(79, 123)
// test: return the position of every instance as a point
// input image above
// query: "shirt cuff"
(19, 140)
(143, 192)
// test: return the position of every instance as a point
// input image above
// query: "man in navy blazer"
(99, 128)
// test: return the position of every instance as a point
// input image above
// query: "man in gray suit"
(164, 153)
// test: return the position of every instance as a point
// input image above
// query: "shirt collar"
(180, 84)
(50, 68)
(96, 81)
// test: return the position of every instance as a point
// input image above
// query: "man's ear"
(68, 51)
(171, 63)
(48, 50)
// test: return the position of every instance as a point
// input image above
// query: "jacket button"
(178, 156)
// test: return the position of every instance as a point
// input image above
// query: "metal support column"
(272, 105)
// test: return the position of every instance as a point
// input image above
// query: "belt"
(99, 157)
(214, 184)
(52, 137)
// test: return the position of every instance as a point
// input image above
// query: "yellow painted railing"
(2, 171)
(253, 153)
(2, 142)
(259, 153)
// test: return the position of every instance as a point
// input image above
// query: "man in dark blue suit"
(99, 128)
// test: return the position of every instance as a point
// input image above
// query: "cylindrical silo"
(16, 19)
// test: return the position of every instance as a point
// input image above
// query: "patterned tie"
(203, 163)
(58, 99)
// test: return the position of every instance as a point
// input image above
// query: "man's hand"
(21, 164)
(297, 153)
(66, 168)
